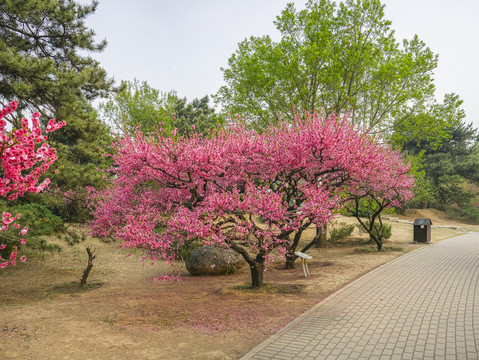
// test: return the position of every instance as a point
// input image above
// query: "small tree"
(23, 162)
(389, 186)
(132, 105)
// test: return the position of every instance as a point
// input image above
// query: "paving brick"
(428, 311)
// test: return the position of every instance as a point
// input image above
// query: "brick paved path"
(424, 305)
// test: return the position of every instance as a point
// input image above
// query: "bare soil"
(123, 313)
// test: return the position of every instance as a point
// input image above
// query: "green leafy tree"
(140, 104)
(43, 65)
(335, 58)
(430, 128)
(196, 113)
(450, 167)
(133, 105)
(80, 166)
(40, 63)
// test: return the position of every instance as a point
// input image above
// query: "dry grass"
(123, 314)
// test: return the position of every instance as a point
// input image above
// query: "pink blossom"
(167, 191)
(166, 277)
(24, 158)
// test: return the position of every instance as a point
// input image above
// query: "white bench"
(304, 260)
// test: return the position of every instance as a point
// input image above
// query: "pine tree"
(44, 66)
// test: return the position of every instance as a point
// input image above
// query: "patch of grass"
(110, 319)
(374, 249)
(16, 331)
(74, 287)
(366, 249)
(393, 248)
(272, 289)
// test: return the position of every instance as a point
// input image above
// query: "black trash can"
(422, 230)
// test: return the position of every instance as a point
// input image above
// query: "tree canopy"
(344, 58)
(338, 58)
(42, 61)
(171, 190)
(44, 64)
(451, 168)
(139, 104)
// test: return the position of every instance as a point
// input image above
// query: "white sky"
(182, 44)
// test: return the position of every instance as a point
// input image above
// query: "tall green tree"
(196, 115)
(430, 127)
(133, 105)
(337, 58)
(40, 60)
(43, 64)
(139, 104)
(451, 165)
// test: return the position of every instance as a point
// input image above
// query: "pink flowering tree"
(237, 188)
(24, 158)
(332, 154)
(389, 185)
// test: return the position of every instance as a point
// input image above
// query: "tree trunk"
(257, 271)
(86, 272)
(290, 258)
(321, 234)
(379, 243)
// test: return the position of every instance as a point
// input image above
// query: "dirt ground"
(124, 314)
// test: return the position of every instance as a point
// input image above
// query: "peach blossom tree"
(236, 188)
(389, 186)
(24, 157)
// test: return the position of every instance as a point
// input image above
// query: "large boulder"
(213, 260)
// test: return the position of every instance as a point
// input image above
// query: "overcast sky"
(182, 44)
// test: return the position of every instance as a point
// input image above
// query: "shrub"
(341, 231)
(37, 243)
(466, 212)
(39, 220)
(184, 250)
(386, 230)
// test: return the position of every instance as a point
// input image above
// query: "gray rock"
(213, 260)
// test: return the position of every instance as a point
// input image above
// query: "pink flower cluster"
(20, 151)
(24, 158)
(7, 219)
(240, 188)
